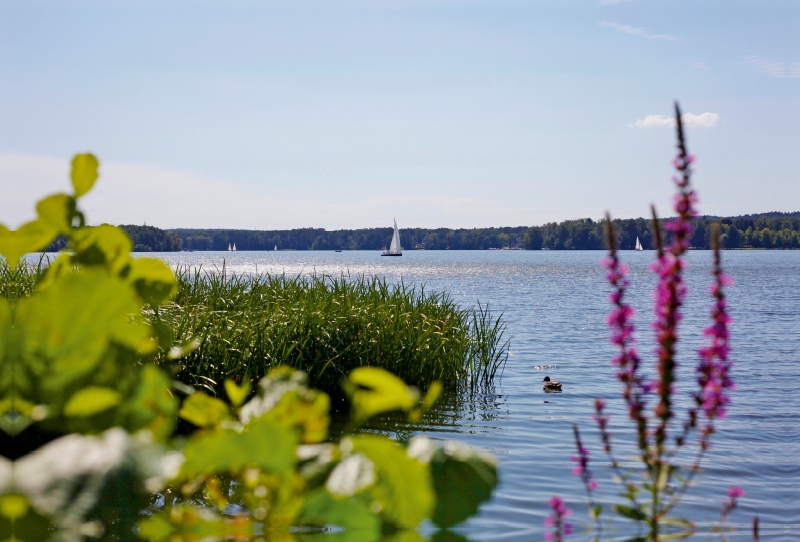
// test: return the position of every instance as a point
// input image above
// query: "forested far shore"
(761, 231)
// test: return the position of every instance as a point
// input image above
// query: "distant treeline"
(767, 230)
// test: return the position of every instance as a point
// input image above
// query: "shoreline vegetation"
(757, 231)
(242, 326)
(246, 325)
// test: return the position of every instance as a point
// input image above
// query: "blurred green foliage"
(89, 418)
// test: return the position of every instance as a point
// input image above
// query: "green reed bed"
(328, 326)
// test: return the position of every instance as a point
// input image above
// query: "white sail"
(276, 248)
(638, 244)
(394, 248)
(234, 246)
(229, 246)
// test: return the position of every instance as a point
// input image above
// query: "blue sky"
(346, 114)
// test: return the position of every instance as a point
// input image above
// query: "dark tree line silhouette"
(767, 230)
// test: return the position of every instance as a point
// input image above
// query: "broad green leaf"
(91, 400)
(462, 479)
(203, 411)
(373, 391)
(630, 512)
(84, 173)
(153, 280)
(403, 492)
(67, 328)
(102, 245)
(360, 524)
(55, 211)
(61, 266)
(262, 443)
(152, 406)
(30, 237)
(434, 391)
(236, 394)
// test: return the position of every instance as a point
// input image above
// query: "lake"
(555, 304)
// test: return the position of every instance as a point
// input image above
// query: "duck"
(551, 385)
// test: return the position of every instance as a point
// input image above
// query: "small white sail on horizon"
(275, 249)
(229, 247)
(638, 244)
(394, 249)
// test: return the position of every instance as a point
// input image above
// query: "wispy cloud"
(776, 70)
(704, 120)
(635, 31)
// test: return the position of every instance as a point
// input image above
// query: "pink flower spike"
(736, 492)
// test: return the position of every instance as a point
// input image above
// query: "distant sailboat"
(276, 248)
(229, 247)
(638, 244)
(394, 249)
(234, 246)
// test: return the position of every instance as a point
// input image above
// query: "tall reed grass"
(328, 326)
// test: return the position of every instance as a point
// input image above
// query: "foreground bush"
(245, 325)
(77, 372)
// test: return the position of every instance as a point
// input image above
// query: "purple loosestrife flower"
(620, 320)
(581, 461)
(671, 290)
(734, 494)
(556, 521)
(714, 369)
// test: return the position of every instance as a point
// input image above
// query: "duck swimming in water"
(551, 385)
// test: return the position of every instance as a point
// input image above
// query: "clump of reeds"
(328, 326)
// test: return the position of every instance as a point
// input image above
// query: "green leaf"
(462, 479)
(262, 443)
(152, 406)
(373, 391)
(84, 173)
(153, 280)
(320, 508)
(236, 394)
(13, 506)
(434, 391)
(91, 400)
(30, 237)
(629, 512)
(204, 411)
(66, 328)
(102, 246)
(56, 211)
(403, 492)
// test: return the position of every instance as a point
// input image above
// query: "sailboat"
(394, 249)
(234, 246)
(276, 248)
(229, 247)
(638, 244)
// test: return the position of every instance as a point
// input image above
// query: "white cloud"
(704, 120)
(776, 70)
(635, 31)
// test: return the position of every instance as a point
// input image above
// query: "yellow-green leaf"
(236, 394)
(434, 391)
(55, 211)
(203, 411)
(153, 280)
(84, 173)
(91, 400)
(30, 237)
(103, 246)
(373, 391)
(13, 506)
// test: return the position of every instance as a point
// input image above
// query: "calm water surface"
(555, 304)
